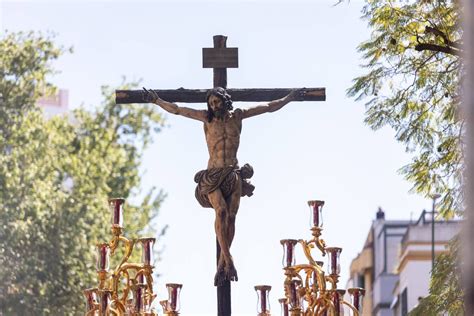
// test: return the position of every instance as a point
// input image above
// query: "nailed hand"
(297, 94)
(150, 96)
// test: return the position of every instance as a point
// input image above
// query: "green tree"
(55, 178)
(412, 84)
(444, 287)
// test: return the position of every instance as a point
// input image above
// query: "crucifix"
(221, 185)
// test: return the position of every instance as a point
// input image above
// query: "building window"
(361, 281)
(404, 302)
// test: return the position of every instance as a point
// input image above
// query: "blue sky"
(311, 150)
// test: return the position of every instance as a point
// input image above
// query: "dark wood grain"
(199, 95)
(220, 58)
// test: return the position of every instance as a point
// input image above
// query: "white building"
(395, 263)
(414, 265)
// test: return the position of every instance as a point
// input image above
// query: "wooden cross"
(220, 58)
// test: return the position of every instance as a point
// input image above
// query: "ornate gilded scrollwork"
(308, 282)
(126, 290)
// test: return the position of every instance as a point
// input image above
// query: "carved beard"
(220, 113)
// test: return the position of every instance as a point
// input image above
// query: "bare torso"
(223, 139)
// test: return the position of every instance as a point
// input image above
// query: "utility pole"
(434, 197)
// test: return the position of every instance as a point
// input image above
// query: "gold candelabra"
(127, 289)
(309, 290)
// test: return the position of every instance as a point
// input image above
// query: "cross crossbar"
(199, 95)
(220, 58)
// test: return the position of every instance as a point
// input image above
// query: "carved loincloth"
(224, 179)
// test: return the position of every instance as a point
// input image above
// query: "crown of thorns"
(222, 94)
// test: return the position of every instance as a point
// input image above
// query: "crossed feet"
(225, 272)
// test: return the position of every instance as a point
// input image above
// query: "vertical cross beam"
(220, 58)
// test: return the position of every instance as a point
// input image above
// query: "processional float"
(126, 289)
(309, 290)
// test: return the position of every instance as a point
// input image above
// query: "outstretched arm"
(152, 97)
(273, 106)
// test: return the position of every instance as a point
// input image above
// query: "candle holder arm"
(354, 310)
(328, 306)
(333, 282)
(123, 269)
(128, 243)
(315, 269)
(93, 311)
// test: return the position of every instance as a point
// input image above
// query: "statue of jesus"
(221, 185)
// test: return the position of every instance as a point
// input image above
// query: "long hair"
(221, 94)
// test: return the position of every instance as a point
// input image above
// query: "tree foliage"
(444, 287)
(55, 178)
(412, 84)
